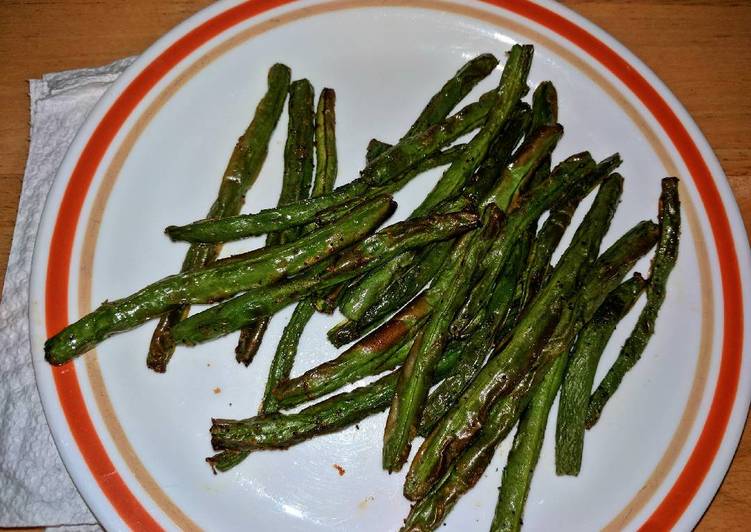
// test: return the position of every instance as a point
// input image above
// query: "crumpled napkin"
(35, 489)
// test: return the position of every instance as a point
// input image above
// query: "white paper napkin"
(35, 488)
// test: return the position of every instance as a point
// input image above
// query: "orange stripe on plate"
(56, 297)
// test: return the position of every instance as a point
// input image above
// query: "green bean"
(252, 335)
(305, 211)
(528, 157)
(540, 122)
(453, 91)
(508, 140)
(547, 241)
(545, 245)
(475, 349)
(284, 357)
(376, 249)
(580, 374)
(326, 303)
(514, 180)
(323, 183)
(368, 291)
(296, 178)
(358, 361)
(544, 106)
(505, 313)
(241, 172)
(514, 175)
(279, 431)
(400, 292)
(544, 113)
(509, 91)
(662, 265)
(268, 220)
(319, 210)
(374, 149)
(442, 102)
(226, 460)
(214, 283)
(429, 512)
(298, 152)
(524, 163)
(511, 88)
(250, 341)
(525, 452)
(444, 296)
(501, 150)
(527, 216)
(522, 460)
(411, 150)
(325, 142)
(355, 302)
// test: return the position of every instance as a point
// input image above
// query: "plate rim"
(62, 435)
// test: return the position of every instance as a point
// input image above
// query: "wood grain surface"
(699, 48)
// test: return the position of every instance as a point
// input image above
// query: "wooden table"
(698, 47)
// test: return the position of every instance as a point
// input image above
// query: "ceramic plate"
(151, 154)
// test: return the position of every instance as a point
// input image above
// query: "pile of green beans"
(458, 310)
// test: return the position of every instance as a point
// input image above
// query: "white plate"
(150, 155)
